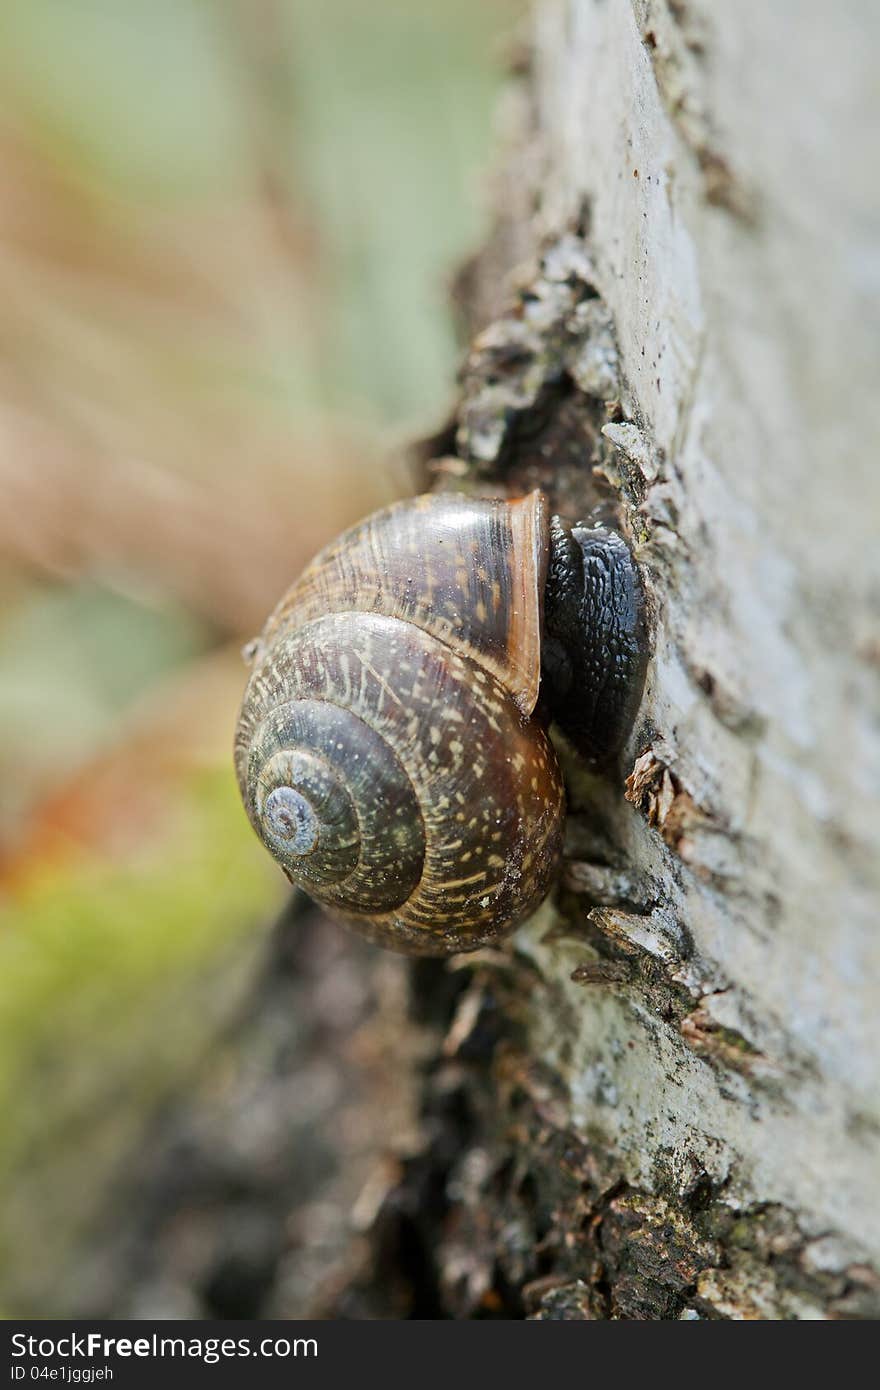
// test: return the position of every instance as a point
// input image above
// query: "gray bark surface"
(699, 331)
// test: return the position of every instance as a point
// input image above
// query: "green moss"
(83, 947)
(115, 978)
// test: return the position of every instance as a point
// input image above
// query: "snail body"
(389, 750)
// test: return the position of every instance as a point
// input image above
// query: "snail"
(392, 749)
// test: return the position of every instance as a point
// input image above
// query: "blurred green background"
(227, 229)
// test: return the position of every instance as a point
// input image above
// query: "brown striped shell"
(385, 750)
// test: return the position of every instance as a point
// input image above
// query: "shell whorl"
(384, 751)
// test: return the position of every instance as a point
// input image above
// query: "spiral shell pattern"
(385, 752)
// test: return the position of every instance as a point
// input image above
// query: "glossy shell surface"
(385, 749)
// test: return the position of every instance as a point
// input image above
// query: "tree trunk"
(680, 1115)
(660, 1099)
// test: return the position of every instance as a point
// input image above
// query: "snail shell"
(385, 750)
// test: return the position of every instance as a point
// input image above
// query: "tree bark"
(680, 1113)
(660, 1100)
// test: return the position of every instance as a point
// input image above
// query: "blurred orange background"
(226, 235)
